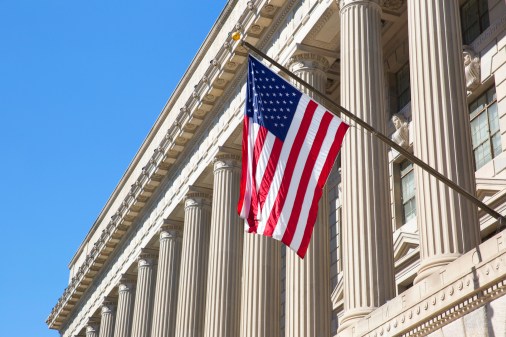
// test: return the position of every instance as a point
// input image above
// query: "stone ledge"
(474, 279)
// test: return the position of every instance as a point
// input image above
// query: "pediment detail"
(404, 244)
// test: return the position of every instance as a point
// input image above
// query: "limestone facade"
(394, 252)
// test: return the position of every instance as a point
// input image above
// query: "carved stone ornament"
(471, 69)
(393, 5)
(401, 134)
(308, 60)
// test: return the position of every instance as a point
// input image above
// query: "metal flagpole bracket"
(415, 160)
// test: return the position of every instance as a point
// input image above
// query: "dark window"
(485, 131)
(474, 16)
(403, 87)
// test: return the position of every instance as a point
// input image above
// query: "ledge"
(471, 281)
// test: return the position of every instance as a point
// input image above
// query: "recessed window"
(403, 87)
(474, 16)
(407, 191)
(485, 131)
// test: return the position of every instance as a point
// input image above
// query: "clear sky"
(81, 84)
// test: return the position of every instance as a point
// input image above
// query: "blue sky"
(81, 84)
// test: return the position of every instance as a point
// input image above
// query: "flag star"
(271, 102)
(287, 94)
(274, 94)
(291, 102)
(263, 72)
(269, 109)
(285, 117)
(283, 86)
(263, 86)
(270, 87)
(277, 102)
(273, 79)
(267, 94)
(274, 109)
(260, 79)
(284, 102)
(275, 124)
(280, 109)
(282, 125)
(256, 71)
(294, 94)
(277, 86)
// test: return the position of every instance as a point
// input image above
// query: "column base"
(431, 265)
(352, 316)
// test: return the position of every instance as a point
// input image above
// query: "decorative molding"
(467, 283)
(472, 69)
(401, 134)
(307, 61)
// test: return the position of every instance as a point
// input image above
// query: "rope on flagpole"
(415, 160)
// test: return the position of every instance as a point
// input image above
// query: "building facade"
(394, 252)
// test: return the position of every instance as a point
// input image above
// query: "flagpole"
(386, 140)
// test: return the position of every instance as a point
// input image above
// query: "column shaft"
(447, 222)
(107, 320)
(261, 296)
(167, 280)
(367, 234)
(223, 304)
(308, 306)
(144, 297)
(193, 279)
(126, 296)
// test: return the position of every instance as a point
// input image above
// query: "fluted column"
(167, 280)
(92, 330)
(107, 319)
(447, 222)
(261, 297)
(367, 234)
(194, 256)
(223, 304)
(144, 297)
(124, 313)
(308, 305)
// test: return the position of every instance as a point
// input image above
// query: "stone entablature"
(471, 281)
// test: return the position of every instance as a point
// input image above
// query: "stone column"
(308, 305)
(368, 266)
(447, 222)
(261, 297)
(124, 313)
(193, 274)
(223, 303)
(92, 330)
(167, 280)
(107, 319)
(144, 297)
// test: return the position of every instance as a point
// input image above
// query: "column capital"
(92, 326)
(127, 283)
(108, 306)
(171, 229)
(147, 257)
(227, 158)
(198, 197)
(308, 61)
(342, 4)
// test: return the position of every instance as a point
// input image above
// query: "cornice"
(221, 70)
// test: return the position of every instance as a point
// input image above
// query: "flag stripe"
(269, 171)
(244, 174)
(334, 150)
(290, 166)
(305, 179)
(261, 134)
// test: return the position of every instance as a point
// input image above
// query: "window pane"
(496, 144)
(493, 118)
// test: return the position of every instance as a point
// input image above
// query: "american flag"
(289, 145)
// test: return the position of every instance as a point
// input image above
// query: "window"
(474, 16)
(485, 132)
(403, 88)
(407, 191)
